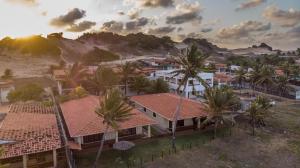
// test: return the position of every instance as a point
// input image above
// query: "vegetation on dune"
(140, 84)
(26, 93)
(33, 45)
(98, 55)
(8, 74)
(77, 93)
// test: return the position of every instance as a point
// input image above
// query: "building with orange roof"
(86, 128)
(161, 107)
(221, 79)
(29, 136)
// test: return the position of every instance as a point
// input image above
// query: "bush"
(99, 55)
(77, 93)
(26, 93)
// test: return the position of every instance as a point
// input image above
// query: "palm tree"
(140, 84)
(282, 84)
(8, 74)
(258, 110)
(113, 110)
(240, 76)
(254, 74)
(265, 77)
(219, 102)
(103, 79)
(127, 72)
(191, 64)
(75, 74)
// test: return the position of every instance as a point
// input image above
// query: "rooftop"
(81, 119)
(165, 104)
(26, 131)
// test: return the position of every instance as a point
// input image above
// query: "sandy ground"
(275, 146)
(26, 66)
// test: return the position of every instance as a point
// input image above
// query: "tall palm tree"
(258, 110)
(255, 74)
(219, 103)
(127, 72)
(140, 84)
(265, 77)
(282, 84)
(75, 74)
(113, 110)
(240, 76)
(191, 64)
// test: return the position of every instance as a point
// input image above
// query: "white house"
(5, 88)
(193, 87)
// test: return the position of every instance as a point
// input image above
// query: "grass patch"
(295, 146)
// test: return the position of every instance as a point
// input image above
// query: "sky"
(226, 23)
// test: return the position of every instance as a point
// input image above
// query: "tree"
(191, 65)
(159, 86)
(75, 74)
(282, 84)
(103, 80)
(8, 74)
(113, 110)
(298, 51)
(240, 76)
(258, 111)
(127, 72)
(26, 93)
(265, 77)
(219, 101)
(255, 75)
(140, 84)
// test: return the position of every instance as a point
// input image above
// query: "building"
(223, 79)
(29, 137)
(193, 88)
(59, 75)
(5, 88)
(85, 128)
(162, 107)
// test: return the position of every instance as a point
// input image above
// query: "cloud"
(161, 30)
(69, 18)
(29, 3)
(288, 18)
(244, 29)
(112, 26)
(133, 13)
(185, 12)
(137, 24)
(250, 4)
(206, 30)
(82, 26)
(151, 3)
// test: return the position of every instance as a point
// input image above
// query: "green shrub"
(26, 93)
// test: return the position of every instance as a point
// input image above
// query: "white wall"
(3, 94)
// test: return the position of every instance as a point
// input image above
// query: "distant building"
(5, 88)
(162, 108)
(86, 128)
(193, 88)
(222, 79)
(29, 137)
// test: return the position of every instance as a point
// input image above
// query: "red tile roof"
(165, 104)
(222, 77)
(81, 119)
(29, 131)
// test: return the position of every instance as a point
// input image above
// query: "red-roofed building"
(86, 128)
(162, 107)
(222, 79)
(29, 136)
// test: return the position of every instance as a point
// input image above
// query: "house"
(162, 107)
(85, 128)
(59, 75)
(193, 88)
(29, 137)
(5, 87)
(221, 67)
(222, 79)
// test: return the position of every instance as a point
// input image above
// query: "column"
(149, 131)
(25, 157)
(173, 126)
(54, 158)
(199, 123)
(117, 136)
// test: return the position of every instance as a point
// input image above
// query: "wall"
(4, 92)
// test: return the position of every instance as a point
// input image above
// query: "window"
(191, 83)
(144, 109)
(92, 138)
(127, 132)
(170, 125)
(154, 114)
(180, 123)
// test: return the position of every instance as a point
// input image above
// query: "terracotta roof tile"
(81, 119)
(165, 104)
(29, 131)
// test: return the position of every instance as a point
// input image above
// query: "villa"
(162, 107)
(193, 88)
(85, 128)
(29, 137)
